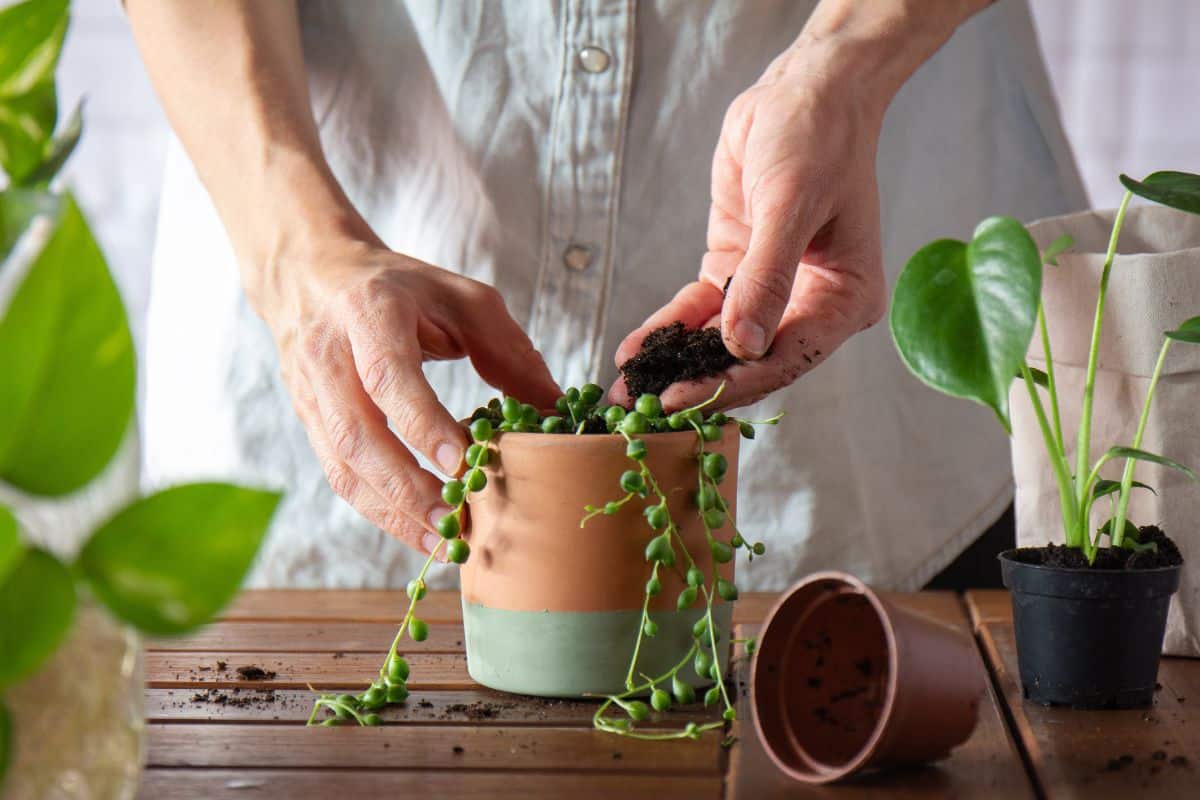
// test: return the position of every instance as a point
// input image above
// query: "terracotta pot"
(845, 681)
(553, 609)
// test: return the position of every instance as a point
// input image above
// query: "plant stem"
(637, 647)
(1117, 530)
(1057, 461)
(1083, 449)
(412, 605)
(1051, 384)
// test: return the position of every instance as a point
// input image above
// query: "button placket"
(582, 193)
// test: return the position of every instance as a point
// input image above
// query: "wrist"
(304, 225)
(869, 53)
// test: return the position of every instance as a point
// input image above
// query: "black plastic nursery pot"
(1088, 638)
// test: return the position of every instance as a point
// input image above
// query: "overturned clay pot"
(845, 681)
(553, 609)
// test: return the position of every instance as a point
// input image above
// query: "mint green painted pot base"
(573, 653)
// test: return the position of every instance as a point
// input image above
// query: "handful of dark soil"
(1165, 554)
(673, 353)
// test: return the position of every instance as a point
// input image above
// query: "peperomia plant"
(579, 411)
(963, 316)
(164, 564)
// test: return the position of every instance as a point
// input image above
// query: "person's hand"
(793, 266)
(353, 323)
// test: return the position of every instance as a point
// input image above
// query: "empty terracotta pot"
(844, 681)
(553, 609)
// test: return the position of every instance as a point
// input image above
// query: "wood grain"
(988, 605)
(314, 784)
(478, 706)
(1106, 754)
(173, 670)
(986, 766)
(459, 748)
(314, 636)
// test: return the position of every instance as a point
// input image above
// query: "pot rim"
(821, 772)
(1007, 555)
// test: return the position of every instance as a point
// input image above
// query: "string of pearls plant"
(579, 411)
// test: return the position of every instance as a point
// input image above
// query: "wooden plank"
(1106, 754)
(311, 784)
(988, 605)
(459, 748)
(173, 670)
(348, 605)
(986, 766)
(477, 706)
(318, 636)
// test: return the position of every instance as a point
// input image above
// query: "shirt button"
(593, 59)
(577, 257)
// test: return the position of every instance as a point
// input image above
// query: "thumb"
(762, 283)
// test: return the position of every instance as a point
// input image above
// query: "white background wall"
(1127, 76)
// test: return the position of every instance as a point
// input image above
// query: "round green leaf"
(37, 602)
(1189, 332)
(1179, 190)
(67, 358)
(963, 315)
(169, 562)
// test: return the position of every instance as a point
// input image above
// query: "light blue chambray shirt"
(561, 152)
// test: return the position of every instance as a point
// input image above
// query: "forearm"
(231, 77)
(871, 49)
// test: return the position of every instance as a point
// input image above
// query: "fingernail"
(449, 457)
(751, 336)
(436, 515)
(430, 541)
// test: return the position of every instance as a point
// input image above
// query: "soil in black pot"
(1108, 558)
(674, 353)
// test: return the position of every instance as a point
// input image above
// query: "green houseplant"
(163, 564)
(963, 317)
(652, 566)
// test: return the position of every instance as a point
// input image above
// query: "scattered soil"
(1108, 558)
(478, 710)
(260, 698)
(674, 353)
(252, 672)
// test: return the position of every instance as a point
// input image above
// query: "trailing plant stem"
(1083, 449)
(1117, 529)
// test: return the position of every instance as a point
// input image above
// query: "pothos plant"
(963, 316)
(580, 411)
(164, 564)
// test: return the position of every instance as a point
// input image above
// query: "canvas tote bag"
(1154, 285)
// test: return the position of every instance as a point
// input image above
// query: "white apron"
(471, 136)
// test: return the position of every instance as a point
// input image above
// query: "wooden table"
(216, 734)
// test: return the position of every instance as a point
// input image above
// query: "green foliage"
(1179, 190)
(11, 548)
(37, 604)
(1057, 247)
(1188, 332)
(31, 38)
(1105, 487)
(963, 314)
(508, 415)
(67, 358)
(1142, 455)
(168, 563)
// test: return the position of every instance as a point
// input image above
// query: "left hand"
(793, 232)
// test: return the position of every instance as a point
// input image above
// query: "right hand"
(353, 323)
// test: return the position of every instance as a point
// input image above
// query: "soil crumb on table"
(253, 672)
(1166, 554)
(675, 353)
